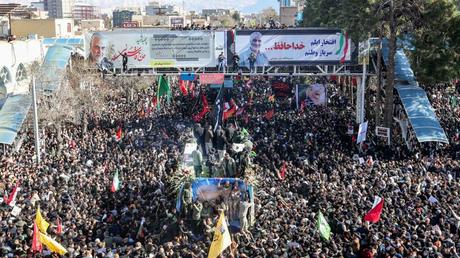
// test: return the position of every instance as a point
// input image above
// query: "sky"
(245, 6)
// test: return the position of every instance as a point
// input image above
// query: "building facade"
(60, 8)
(85, 12)
(121, 17)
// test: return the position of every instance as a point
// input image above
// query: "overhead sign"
(130, 24)
(293, 47)
(152, 48)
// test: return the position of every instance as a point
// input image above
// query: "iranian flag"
(115, 183)
(11, 199)
(374, 214)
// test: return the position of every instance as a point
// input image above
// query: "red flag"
(36, 244)
(269, 115)
(183, 88)
(119, 134)
(59, 226)
(230, 110)
(370, 161)
(197, 118)
(154, 101)
(283, 171)
(191, 87)
(374, 214)
(11, 200)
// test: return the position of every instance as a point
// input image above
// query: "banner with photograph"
(213, 189)
(294, 47)
(149, 48)
(310, 95)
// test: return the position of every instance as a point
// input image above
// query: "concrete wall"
(47, 28)
(24, 27)
(17, 56)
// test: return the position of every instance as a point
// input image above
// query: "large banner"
(153, 48)
(293, 47)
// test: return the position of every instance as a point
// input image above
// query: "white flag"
(362, 132)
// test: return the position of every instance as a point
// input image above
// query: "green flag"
(323, 227)
(244, 133)
(163, 89)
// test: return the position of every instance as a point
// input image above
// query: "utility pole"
(36, 133)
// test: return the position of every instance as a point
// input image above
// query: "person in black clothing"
(198, 133)
(220, 142)
(236, 61)
(125, 62)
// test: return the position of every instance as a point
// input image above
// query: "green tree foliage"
(236, 16)
(355, 16)
(432, 24)
(436, 57)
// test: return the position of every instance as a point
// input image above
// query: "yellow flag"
(41, 223)
(221, 239)
(52, 245)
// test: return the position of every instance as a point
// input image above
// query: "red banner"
(212, 78)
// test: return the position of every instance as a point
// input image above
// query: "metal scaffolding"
(312, 70)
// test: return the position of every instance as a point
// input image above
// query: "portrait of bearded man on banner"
(255, 43)
(97, 51)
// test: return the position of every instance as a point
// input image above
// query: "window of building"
(21, 73)
(5, 76)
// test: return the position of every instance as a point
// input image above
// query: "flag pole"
(35, 118)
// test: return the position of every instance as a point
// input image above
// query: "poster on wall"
(294, 47)
(310, 95)
(151, 48)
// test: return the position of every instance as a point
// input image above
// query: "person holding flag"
(115, 183)
(323, 227)
(11, 199)
(374, 214)
(42, 224)
(221, 239)
(163, 89)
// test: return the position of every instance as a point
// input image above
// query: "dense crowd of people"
(421, 216)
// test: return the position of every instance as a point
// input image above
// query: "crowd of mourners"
(323, 172)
